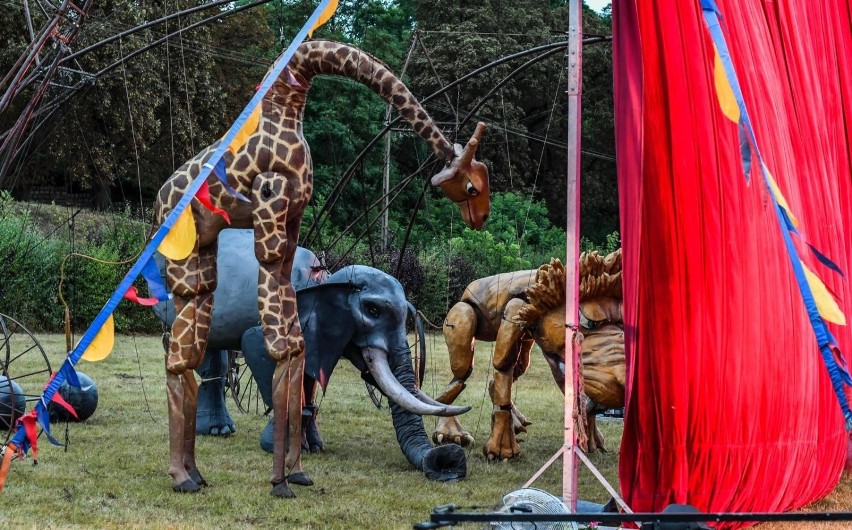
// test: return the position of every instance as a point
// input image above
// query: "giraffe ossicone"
(272, 167)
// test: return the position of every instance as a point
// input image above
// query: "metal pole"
(574, 59)
(386, 176)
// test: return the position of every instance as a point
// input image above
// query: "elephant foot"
(187, 486)
(519, 421)
(215, 423)
(195, 476)
(450, 431)
(282, 490)
(445, 463)
(267, 439)
(311, 440)
(299, 479)
(502, 444)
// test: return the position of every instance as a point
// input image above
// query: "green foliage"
(31, 271)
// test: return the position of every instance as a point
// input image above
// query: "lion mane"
(599, 276)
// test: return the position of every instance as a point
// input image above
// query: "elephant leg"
(508, 351)
(311, 438)
(276, 230)
(213, 417)
(459, 332)
(192, 281)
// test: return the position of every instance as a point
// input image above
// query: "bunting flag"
(324, 17)
(101, 346)
(175, 239)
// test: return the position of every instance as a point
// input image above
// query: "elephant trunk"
(443, 462)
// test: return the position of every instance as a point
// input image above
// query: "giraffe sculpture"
(273, 168)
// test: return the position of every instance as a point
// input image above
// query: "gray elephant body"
(355, 313)
(235, 308)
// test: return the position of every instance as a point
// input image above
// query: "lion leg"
(596, 438)
(502, 443)
(276, 229)
(519, 421)
(192, 282)
(459, 332)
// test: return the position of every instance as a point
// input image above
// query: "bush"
(31, 270)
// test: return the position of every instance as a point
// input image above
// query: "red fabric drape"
(729, 405)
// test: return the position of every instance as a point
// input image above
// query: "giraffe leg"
(276, 231)
(508, 352)
(459, 332)
(192, 282)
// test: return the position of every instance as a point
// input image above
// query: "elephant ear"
(327, 325)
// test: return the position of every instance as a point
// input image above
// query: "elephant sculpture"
(358, 313)
(518, 309)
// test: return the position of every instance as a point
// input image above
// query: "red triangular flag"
(203, 196)
(133, 295)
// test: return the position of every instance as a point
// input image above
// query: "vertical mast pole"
(574, 60)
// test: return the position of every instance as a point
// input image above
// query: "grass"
(113, 473)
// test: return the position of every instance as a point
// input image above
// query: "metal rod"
(574, 59)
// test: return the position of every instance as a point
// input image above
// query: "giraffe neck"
(316, 58)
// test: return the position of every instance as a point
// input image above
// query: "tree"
(525, 144)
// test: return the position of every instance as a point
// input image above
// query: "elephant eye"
(372, 309)
(471, 189)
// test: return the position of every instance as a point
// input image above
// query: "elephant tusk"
(426, 398)
(377, 361)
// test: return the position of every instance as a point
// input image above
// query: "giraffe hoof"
(300, 479)
(196, 477)
(187, 486)
(282, 490)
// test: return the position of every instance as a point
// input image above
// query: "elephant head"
(601, 322)
(360, 314)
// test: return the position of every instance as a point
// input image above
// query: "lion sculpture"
(518, 309)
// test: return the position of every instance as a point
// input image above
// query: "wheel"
(240, 384)
(24, 369)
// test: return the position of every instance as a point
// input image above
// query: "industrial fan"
(533, 501)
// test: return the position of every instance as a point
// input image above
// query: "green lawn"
(113, 474)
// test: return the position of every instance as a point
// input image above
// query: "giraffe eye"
(471, 189)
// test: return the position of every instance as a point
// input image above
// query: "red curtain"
(729, 404)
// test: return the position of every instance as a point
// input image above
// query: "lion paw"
(519, 421)
(502, 444)
(450, 431)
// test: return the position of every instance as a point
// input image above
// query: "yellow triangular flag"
(324, 17)
(245, 132)
(180, 240)
(828, 308)
(782, 202)
(101, 347)
(724, 92)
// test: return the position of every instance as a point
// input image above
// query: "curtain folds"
(729, 404)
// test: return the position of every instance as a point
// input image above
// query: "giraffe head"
(465, 181)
